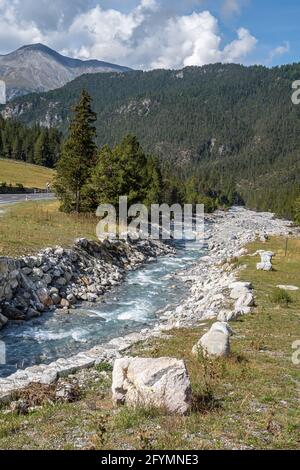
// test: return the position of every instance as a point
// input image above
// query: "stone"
(47, 279)
(71, 299)
(3, 320)
(56, 299)
(228, 315)
(238, 292)
(44, 297)
(37, 272)
(266, 261)
(216, 342)
(12, 313)
(246, 300)
(162, 383)
(31, 313)
(289, 288)
(65, 303)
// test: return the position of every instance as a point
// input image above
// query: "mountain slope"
(233, 128)
(37, 68)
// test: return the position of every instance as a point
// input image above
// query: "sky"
(149, 34)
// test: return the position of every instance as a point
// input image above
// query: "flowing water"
(133, 306)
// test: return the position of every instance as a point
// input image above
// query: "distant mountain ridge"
(37, 68)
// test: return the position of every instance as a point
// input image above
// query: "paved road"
(14, 198)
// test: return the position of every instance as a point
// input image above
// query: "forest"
(227, 132)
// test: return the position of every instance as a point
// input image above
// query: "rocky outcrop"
(216, 342)
(60, 278)
(163, 383)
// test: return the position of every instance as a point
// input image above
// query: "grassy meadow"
(30, 176)
(30, 226)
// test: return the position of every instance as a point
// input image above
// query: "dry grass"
(28, 227)
(30, 176)
(250, 400)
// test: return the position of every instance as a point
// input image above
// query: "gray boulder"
(162, 383)
(216, 342)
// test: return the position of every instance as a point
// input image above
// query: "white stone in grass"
(162, 383)
(289, 288)
(266, 261)
(216, 342)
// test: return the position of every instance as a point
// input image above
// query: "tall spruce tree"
(78, 157)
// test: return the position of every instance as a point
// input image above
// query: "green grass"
(30, 176)
(250, 400)
(28, 227)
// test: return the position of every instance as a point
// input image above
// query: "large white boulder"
(238, 292)
(216, 342)
(163, 383)
(266, 261)
(245, 300)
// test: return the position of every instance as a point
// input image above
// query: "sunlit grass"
(30, 176)
(25, 228)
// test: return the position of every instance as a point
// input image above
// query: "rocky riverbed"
(58, 278)
(208, 282)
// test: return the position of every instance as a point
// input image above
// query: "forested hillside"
(37, 145)
(223, 128)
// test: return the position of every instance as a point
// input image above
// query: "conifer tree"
(78, 156)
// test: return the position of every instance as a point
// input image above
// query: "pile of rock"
(266, 261)
(60, 278)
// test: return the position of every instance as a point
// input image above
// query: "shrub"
(280, 297)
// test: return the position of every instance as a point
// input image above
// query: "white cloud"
(147, 36)
(231, 7)
(279, 51)
(173, 43)
(241, 47)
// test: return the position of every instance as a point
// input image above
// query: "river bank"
(208, 282)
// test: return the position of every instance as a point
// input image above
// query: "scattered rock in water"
(163, 383)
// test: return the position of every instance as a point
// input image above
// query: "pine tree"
(123, 171)
(78, 156)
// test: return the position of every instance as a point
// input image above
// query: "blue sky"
(151, 34)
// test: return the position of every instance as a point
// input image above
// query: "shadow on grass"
(205, 403)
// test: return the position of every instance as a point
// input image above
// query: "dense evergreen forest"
(231, 133)
(37, 145)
